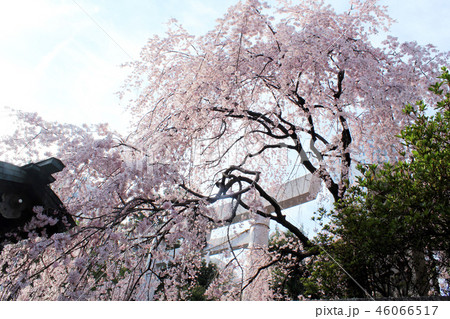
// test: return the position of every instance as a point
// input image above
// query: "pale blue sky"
(55, 60)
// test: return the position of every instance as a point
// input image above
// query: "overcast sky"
(56, 59)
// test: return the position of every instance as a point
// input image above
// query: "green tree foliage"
(391, 231)
(205, 276)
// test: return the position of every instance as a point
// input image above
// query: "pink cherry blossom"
(219, 118)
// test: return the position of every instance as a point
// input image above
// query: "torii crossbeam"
(296, 192)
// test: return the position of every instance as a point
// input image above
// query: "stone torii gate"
(296, 192)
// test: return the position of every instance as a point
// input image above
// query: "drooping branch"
(279, 217)
(282, 254)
